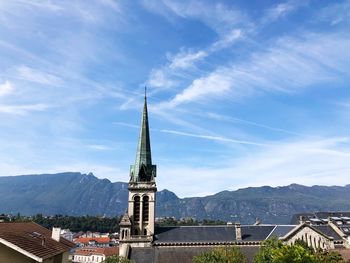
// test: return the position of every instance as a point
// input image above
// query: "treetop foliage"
(271, 251)
(221, 255)
(117, 259)
(274, 251)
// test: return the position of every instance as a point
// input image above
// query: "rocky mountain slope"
(82, 194)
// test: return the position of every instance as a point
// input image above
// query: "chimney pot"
(43, 241)
(257, 222)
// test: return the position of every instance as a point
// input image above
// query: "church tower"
(137, 225)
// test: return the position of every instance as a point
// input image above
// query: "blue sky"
(241, 93)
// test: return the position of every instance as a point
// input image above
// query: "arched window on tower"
(145, 209)
(137, 208)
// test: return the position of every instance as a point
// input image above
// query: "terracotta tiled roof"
(111, 251)
(86, 240)
(33, 239)
(107, 251)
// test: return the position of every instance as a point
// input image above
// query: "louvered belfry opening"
(145, 209)
(137, 208)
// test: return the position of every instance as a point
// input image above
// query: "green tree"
(266, 250)
(117, 259)
(274, 251)
(221, 255)
(329, 257)
(292, 254)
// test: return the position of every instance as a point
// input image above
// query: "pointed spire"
(125, 221)
(143, 164)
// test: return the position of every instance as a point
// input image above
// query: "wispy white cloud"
(229, 24)
(114, 4)
(89, 12)
(216, 84)
(42, 4)
(35, 55)
(218, 16)
(99, 147)
(228, 39)
(287, 66)
(236, 120)
(6, 88)
(23, 109)
(159, 78)
(83, 58)
(336, 13)
(281, 10)
(168, 75)
(34, 75)
(214, 138)
(311, 162)
(184, 60)
(127, 124)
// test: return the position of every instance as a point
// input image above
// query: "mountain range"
(84, 194)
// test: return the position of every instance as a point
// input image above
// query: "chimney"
(301, 220)
(43, 241)
(56, 233)
(238, 231)
(257, 222)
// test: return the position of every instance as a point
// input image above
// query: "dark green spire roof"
(143, 168)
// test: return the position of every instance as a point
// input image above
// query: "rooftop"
(86, 240)
(205, 234)
(32, 240)
(107, 251)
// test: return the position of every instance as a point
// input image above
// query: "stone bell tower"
(137, 225)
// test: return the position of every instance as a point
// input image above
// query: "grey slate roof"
(205, 234)
(175, 244)
(281, 230)
(142, 254)
(327, 230)
(331, 214)
(345, 229)
(179, 254)
(295, 217)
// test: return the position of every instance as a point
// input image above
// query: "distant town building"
(93, 254)
(91, 234)
(67, 234)
(3, 218)
(30, 242)
(338, 221)
(93, 241)
(142, 242)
